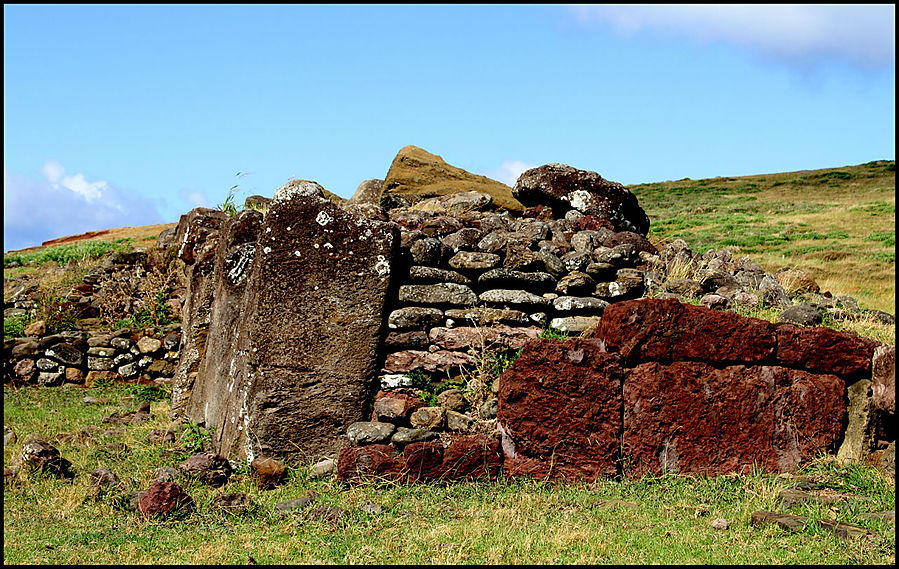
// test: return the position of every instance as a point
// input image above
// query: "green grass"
(14, 325)
(662, 519)
(780, 220)
(62, 254)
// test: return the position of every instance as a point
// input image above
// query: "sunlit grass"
(657, 519)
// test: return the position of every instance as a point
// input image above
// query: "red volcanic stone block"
(163, 498)
(592, 223)
(666, 330)
(690, 417)
(395, 407)
(824, 350)
(560, 404)
(472, 456)
(424, 460)
(375, 461)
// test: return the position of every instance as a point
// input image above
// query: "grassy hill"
(838, 224)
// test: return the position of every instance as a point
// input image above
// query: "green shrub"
(888, 238)
(14, 325)
(554, 334)
(62, 316)
(156, 315)
(62, 254)
(150, 393)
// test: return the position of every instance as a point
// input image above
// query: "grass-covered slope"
(838, 224)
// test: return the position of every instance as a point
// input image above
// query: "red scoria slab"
(560, 404)
(666, 330)
(691, 417)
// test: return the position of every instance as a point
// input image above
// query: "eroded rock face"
(824, 350)
(560, 410)
(416, 174)
(666, 330)
(282, 326)
(670, 387)
(691, 417)
(883, 376)
(565, 188)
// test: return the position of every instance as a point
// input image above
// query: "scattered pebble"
(719, 523)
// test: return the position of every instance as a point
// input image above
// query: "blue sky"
(132, 115)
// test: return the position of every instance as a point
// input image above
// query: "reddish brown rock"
(690, 417)
(666, 330)
(424, 460)
(395, 407)
(639, 242)
(207, 467)
(560, 403)
(371, 461)
(824, 350)
(441, 360)
(472, 456)
(592, 223)
(164, 498)
(268, 472)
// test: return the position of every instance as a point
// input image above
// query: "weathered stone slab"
(666, 330)
(367, 462)
(496, 337)
(486, 316)
(691, 417)
(431, 275)
(883, 377)
(295, 303)
(498, 278)
(579, 304)
(824, 350)
(472, 456)
(788, 522)
(439, 294)
(859, 436)
(560, 404)
(512, 297)
(414, 317)
(410, 360)
(574, 324)
(842, 529)
(474, 261)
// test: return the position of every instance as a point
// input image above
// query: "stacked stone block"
(463, 274)
(83, 357)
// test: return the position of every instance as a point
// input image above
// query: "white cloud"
(35, 210)
(864, 35)
(196, 198)
(54, 172)
(509, 171)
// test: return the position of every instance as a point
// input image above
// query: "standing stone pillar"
(291, 354)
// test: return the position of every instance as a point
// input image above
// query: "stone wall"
(309, 324)
(684, 389)
(85, 357)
